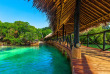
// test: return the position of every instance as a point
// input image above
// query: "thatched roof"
(49, 35)
(59, 12)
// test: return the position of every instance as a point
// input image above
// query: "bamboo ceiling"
(59, 12)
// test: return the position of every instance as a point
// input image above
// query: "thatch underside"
(59, 12)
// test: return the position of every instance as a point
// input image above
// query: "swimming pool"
(44, 59)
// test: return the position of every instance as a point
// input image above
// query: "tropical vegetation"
(21, 33)
(98, 38)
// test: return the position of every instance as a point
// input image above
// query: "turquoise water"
(44, 59)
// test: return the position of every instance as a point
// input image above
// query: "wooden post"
(104, 35)
(60, 40)
(87, 40)
(76, 22)
(65, 35)
(63, 32)
(67, 41)
(70, 42)
(57, 35)
(76, 51)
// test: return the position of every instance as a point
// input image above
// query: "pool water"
(44, 59)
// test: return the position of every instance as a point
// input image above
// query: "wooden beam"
(86, 5)
(69, 24)
(62, 6)
(91, 11)
(68, 8)
(102, 5)
(98, 20)
(91, 14)
(55, 6)
(87, 14)
(105, 2)
(97, 7)
(84, 18)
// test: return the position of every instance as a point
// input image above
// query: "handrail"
(70, 43)
(96, 33)
(104, 36)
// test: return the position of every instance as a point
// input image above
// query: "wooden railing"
(104, 39)
(69, 40)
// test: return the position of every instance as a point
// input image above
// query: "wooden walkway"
(94, 61)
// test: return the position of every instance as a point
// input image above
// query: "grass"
(95, 46)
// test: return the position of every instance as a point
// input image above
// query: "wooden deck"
(94, 61)
(97, 60)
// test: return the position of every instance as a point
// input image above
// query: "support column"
(104, 36)
(67, 41)
(87, 40)
(63, 32)
(57, 35)
(70, 42)
(76, 22)
(65, 35)
(76, 51)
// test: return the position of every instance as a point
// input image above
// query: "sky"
(22, 10)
